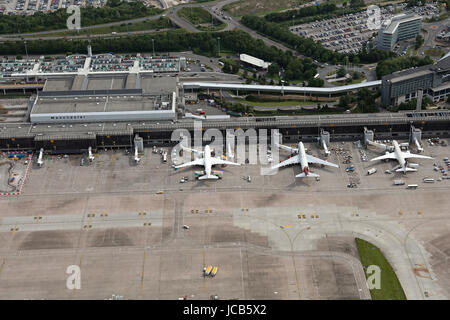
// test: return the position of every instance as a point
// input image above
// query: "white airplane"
(401, 157)
(302, 158)
(207, 161)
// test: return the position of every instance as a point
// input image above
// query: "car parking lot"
(348, 33)
(31, 6)
(9, 66)
(344, 34)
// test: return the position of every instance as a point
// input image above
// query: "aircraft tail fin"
(211, 176)
(312, 175)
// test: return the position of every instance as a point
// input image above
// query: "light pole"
(282, 87)
(26, 51)
(153, 44)
(218, 41)
(293, 16)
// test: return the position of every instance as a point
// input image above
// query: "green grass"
(345, 83)
(257, 7)
(211, 28)
(390, 286)
(298, 112)
(434, 52)
(277, 103)
(161, 23)
(195, 15)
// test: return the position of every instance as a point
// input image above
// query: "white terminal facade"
(105, 87)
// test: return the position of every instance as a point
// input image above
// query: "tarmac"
(276, 237)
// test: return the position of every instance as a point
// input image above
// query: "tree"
(341, 72)
(226, 67)
(344, 101)
(315, 82)
(273, 70)
(419, 42)
(366, 101)
(234, 68)
(356, 3)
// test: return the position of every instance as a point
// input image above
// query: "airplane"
(303, 159)
(401, 157)
(207, 161)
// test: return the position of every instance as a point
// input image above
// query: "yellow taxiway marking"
(204, 265)
(142, 274)
(14, 229)
(1, 265)
(111, 171)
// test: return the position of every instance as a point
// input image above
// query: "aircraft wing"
(198, 162)
(312, 159)
(390, 155)
(409, 155)
(291, 160)
(295, 150)
(215, 161)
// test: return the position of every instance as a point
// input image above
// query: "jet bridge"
(368, 136)
(324, 141)
(415, 136)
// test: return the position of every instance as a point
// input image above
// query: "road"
(212, 7)
(215, 9)
(433, 30)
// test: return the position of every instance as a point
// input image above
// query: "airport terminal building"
(400, 27)
(402, 86)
